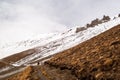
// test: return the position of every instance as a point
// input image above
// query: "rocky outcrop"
(118, 15)
(94, 23)
(80, 29)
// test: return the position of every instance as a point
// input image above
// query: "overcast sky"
(21, 18)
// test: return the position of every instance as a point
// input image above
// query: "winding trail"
(11, 73)
(40, 74)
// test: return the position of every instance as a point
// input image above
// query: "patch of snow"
(66, 41)
(55, 43)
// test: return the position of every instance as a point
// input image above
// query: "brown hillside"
(94, 59)
(18, 56)
(3, 64)
(27, 74)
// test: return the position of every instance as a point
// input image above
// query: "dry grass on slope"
(94, 59)
(30, 73)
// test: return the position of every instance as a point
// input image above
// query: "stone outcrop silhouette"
(94, 23)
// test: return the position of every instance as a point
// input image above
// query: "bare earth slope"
(94, 59)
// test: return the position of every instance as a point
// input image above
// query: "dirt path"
(40, 74)
(2, 76)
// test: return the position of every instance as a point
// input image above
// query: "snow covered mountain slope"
(38, 40)
(68, 41)
(47, 46)
(65, 40)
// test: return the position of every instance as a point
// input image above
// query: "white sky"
(20, 19)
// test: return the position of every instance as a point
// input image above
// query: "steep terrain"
(66, 39)
(16, 56)
(94, 59)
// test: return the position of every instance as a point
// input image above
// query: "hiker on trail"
(38, 63)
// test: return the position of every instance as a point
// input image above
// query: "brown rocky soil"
(3, 64)
(94, 59)
(25, 74)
